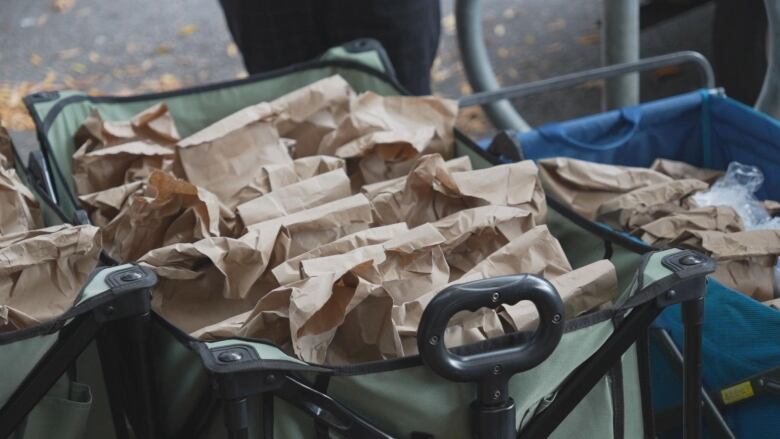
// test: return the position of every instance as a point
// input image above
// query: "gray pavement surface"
(139, 46)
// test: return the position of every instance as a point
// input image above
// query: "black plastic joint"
(691, 268)
(131, 286)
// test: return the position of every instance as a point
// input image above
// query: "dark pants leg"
(272, 34)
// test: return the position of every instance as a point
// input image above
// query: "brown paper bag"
(155, 125)
(474, 234)
(746, 259)
(681, 170)
(432, 192)
(274, 177)
(43, 271)
(295, 234)
(399, 269)
(104, 206)
(295, 197)
(754, 277)
(206, 282)
(672, 226)
(169, 211)
(224, 157)
(584, 186)
(18, 208)
(290, 270)
(535, 252)
(6, 149)
(116, 165)
(582, 290)
(310, 113)
(624, 211)
(388, 132)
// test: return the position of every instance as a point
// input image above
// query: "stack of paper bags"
(656, 205)
(323, 220)
(42, 270)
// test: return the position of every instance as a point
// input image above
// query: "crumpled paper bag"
(584, 186)
(629, 210)
(312, 192)
(431, 192)
(207, 281)
(290, 270)
(746, 259)
(535, 252)
(317, 305)
(671, 225)
(6, 149)
(292, 235)
(104, 206)
(582, 290)
(239, 268)
(112, 166)
(111, 153)
(224, 157)
(386, 133)
(155, 125)
(472, 235)
(169, 211)
(682, 170)
(273, 177)
(42, 272)
(18, 208)
(310, 113)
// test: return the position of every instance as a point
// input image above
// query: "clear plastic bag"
(736, 189)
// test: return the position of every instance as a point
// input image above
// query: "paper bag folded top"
(42, 272)
(431, 192)
(18, 208)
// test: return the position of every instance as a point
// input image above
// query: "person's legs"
(408, 29)
(272, 34)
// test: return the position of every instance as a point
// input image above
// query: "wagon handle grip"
(493, 412)
(490, 293)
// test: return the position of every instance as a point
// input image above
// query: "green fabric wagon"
(585, 377)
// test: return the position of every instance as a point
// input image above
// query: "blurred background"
(141, 46)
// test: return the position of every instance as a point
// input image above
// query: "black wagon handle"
(490, 293)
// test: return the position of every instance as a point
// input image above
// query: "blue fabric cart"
(740, 339)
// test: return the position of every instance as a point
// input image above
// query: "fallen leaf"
(169, 81)
(509, 13)
(41, 21)
(35, 59)
(232, 50)
(162, 49)
(513, 73)
(556, 25)
(553, 47)
(62, 6)
(78, 67)
(241, 74)
(69, 53)
(499, 30)
(94, 57)
(146, 64)
(503, 52)
(529, 40)
(448, 23)
(587, 39)
(188, 29)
